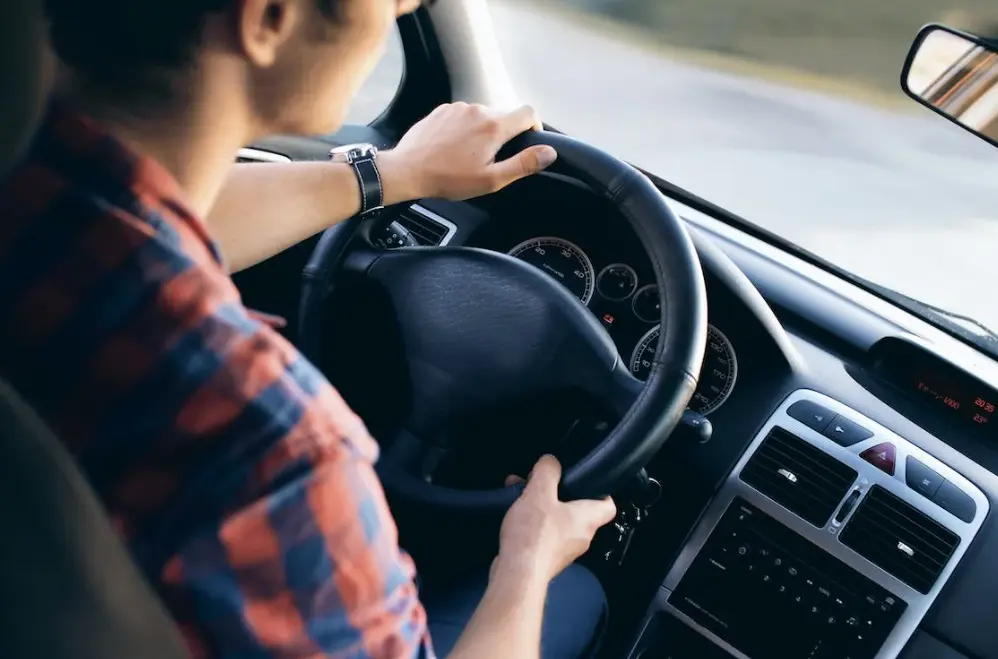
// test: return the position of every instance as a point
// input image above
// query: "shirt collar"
(84, 151)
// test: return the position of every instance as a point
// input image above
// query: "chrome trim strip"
(663, 599)
(827, 536)
(261, 156)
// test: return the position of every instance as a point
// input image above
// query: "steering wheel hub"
(475, 316)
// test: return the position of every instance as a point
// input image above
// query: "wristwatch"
(363, 158)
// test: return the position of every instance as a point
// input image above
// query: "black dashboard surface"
(791, 324)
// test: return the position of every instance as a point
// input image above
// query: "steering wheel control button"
(920, 478)
(395, 236)
(955, 501)
(881, 456)
(812, 415)
(846, 433)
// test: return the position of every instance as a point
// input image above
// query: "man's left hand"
(451, 154)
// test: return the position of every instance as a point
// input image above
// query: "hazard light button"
(881, 456)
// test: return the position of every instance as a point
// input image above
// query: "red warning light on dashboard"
(608, 319)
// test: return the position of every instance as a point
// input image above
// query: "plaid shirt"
(241, 480)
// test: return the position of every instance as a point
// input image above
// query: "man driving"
(242, 482)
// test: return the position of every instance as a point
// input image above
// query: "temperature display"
(959, 396)
(977, 409)
(938, 383)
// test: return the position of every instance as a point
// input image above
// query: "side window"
(380, 88)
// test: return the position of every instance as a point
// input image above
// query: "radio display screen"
(975, 404)
(939, 384)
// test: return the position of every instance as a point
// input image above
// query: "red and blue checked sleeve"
(311, 569)
(300, 558)
(207, 433)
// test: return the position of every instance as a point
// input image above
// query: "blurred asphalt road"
(904, 199)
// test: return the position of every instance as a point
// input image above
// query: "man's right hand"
(542, 535)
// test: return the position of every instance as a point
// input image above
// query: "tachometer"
(717, 377)
(561, 259)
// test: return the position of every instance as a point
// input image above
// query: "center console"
(830, 539)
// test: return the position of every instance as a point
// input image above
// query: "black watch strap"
(372, 194)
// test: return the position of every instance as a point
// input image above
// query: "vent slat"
(819, 481)
(900, 539)
(429, 233)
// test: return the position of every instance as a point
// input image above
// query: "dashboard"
(897, 416)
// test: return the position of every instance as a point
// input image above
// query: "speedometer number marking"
(562, 260)
(717, 376)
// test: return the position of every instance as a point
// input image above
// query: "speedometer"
(717, 376)
(561, 259)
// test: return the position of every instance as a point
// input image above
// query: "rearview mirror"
(955, 75)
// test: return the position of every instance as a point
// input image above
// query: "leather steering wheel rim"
(655, 409)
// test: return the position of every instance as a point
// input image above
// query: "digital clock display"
(941, 385)
(977, 409)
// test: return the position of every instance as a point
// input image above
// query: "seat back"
(69, 587)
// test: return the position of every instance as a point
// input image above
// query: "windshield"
(788, 113)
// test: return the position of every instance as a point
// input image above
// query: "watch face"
(351, 152)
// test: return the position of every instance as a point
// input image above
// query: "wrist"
(400, 181)
(522, 570)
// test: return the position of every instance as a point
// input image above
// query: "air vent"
(900, 539)
(428, 228)
(801, 477)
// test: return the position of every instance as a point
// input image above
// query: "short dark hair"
(125, 47)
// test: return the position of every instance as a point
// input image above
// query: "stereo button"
(920, 478)
(812, 415)
(956, 501)
(845, 432)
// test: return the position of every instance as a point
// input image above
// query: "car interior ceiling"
(828, 502)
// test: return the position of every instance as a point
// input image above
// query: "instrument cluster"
(630, 309)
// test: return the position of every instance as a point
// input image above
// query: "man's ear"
(264, 26)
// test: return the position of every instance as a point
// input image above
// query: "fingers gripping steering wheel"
(481, 328)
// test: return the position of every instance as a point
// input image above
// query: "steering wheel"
(481, 328)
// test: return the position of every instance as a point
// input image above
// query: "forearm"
(264, 208)
(507, 622)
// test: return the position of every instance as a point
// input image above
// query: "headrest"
(26, 68)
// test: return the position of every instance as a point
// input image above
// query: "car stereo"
(830, 539)
(793, 599)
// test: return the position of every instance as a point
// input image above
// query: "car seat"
(69, 586)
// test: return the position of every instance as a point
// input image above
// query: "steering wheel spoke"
(620, 389)
(413, 456)
(360, 258)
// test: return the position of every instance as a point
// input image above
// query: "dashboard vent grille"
(427, 231)
(903, 541)
(801, 477)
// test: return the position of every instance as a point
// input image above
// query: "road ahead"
(904, 199)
